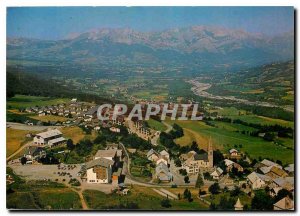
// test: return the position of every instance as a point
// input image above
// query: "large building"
(99, 171)
(192, 161)
(49, 138)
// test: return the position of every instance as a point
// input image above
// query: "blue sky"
(58, 22)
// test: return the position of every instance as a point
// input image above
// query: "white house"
(50, 138)
(99, 171)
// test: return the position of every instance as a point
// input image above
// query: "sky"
(59, 22)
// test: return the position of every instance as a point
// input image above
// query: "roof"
(92, 111)
(269, 163)
(106, 153)
(202, 156)
(289, 168)
(161, 167)
(57, 140)
(151, 152)
(99, 162)
(255, 176)
(49, 133)
(232, 150)
(265, 169)
(276, 170)
(228, 162)
(217, 172)
(238, 204)
(164, 153)
(285, 203)
(287, 182)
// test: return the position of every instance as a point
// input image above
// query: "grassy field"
(15, 139)
(244, 198)
(40, 195)
(234, 113)
(225, 139)
(190, 136)
(156, 125)
(145, 198)
(23, 101)
(49, 118)
(76, 134)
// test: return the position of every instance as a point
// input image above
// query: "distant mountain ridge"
(200, 45)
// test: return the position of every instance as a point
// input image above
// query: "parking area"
(58, 173)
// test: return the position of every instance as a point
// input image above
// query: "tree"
(183, 172)
(218, 157)
(262, 201)
(283, 193)
(186, 179)
(214, 188)
(70, 144)
(23, 160)
(177, 162)
(199, 181)
(165, 203)
(269, 136)
(235, 192)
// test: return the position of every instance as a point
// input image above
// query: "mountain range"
(198, 45)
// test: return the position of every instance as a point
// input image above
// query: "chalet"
(41, 113)
(217, 174)
(233, 152)
(285, 204)
(257, 181)
(99, 171)
(50, 138)
(230, 164)
(162, 173)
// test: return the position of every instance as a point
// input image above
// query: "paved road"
(20, 126)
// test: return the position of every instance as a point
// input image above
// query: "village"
(112, 168)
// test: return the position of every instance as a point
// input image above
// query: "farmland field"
(225, 139)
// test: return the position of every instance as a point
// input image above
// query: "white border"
(6, 3)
